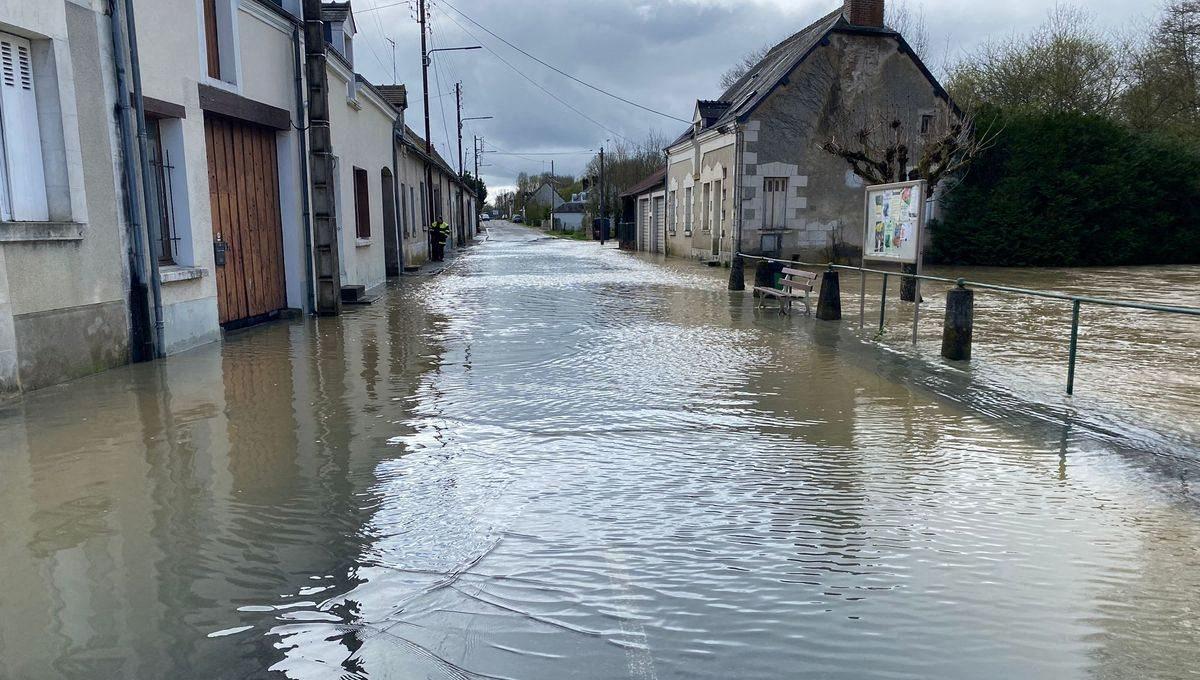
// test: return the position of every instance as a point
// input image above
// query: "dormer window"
(339, 28)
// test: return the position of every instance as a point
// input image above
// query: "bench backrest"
(798, 279)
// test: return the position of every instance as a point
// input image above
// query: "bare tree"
(884, 144)
(1165, 73)
(1066, 64)
(743, 66)
(910, 23)
(625, 164)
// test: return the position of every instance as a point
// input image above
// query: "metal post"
(920, 261)
(883, 303)
(1074, 345)
(862, 298)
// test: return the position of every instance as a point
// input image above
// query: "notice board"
(895, 221)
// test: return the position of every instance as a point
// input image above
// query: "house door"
(775, 202)
(657, 228)
(644, 225)
(243, 186)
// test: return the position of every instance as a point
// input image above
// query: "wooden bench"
(797, 285)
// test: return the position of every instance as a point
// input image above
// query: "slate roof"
(396, 95)
(417, 143)
(574, 207)
(753, 87)
(656, 180)
(335, 11)
(710, 111)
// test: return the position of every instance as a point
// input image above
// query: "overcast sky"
(663, 54)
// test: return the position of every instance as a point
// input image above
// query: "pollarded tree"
(883, 144)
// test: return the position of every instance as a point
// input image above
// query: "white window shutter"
(22, 138)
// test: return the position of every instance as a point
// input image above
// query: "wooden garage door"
(243, 185)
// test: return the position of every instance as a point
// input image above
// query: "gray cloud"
(663, 54)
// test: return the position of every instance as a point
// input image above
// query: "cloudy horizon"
(662, 55)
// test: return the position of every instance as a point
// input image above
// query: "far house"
(752, 157)
(545, 195)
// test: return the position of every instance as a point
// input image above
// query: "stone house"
(546, 196)
(750, 168)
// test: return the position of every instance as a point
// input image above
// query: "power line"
(560, 71)
(441, 105)
(538, 85)
(542, 153)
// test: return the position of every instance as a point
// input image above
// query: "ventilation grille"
(16, 69)
(8, 64)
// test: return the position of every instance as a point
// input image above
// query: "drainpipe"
(305, 198)
(397, 199)
(737, 266)
(667, 208)
(151, 196)
(141, 322)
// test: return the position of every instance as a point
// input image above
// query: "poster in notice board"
(895, 218)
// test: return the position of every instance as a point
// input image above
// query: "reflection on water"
(556, 461)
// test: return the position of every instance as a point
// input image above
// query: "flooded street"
(556, 460)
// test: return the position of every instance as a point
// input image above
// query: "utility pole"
(602, 201)
(458, 100)
(459, 201)
(425, 91)
(477, 196)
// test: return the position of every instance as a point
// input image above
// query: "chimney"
(868, 13)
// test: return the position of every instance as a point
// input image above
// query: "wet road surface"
(560, 461)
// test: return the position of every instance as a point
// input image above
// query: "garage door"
(243, 184)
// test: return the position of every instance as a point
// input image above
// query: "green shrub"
(1073, 190)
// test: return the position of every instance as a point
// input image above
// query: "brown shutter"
(212, 45)
(362, 203)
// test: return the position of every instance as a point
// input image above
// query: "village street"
(559, 459)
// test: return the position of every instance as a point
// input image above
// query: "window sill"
(173, 273)
(362, 242)
(16, 232)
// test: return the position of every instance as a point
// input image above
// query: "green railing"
(1076, 301)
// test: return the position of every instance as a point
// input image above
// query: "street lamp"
(429, 54)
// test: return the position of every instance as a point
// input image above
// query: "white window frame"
(689, 201)
(673, 209)
(775, 187)
(228, 44)
(174, 148)
(22, 166)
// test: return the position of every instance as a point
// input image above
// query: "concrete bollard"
(959, 324)
(829, 304)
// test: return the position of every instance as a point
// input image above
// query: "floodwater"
(559, 461)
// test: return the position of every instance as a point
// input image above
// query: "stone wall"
(852, 74)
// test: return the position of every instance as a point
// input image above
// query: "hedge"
(1073, 190)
